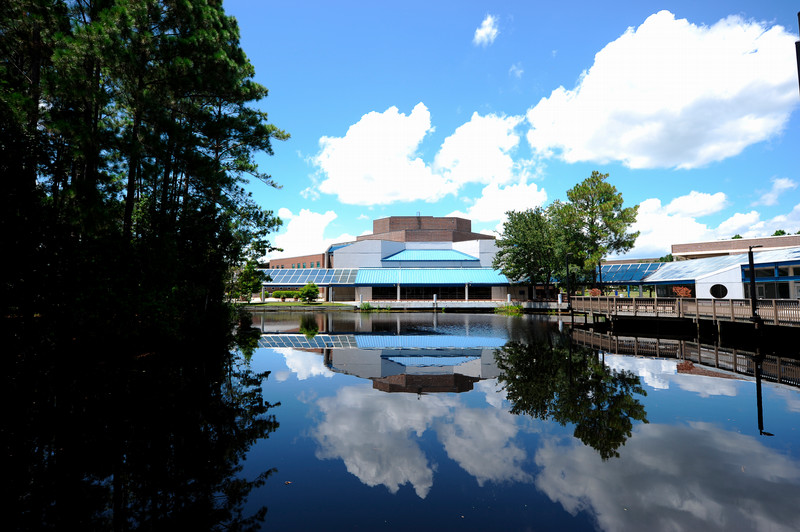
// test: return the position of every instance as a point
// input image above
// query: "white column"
(466, 292)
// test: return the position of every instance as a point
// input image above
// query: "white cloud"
(516, 70)
(659, 228)
(673, 94)
(704, 478)
(487, 32)
(779, 186)
(376, 162)
(479, 151)
(697, 204)
(303, 234)
(740, 223)
(495, 201)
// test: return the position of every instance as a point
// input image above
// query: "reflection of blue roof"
(432, 341)
(381, 341)
(429, 255)
(429, 277)
(426, 361)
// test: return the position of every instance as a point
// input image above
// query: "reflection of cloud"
(369, 431)
(372, 432)
(304, 364)
(791, 397)
(494, 391)
(281, 376)
(480, 440)
(659, 373)
(676, 478)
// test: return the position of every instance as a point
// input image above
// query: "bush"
(594, 292)
(290, 294)
(309, 293)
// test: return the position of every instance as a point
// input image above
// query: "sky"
(472, 109)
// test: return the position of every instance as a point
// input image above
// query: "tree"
(527, 248)
(127, 130)
(779, 232)
(737, 236)
(597, 222)
(309, 293)
(250, 279)
(667, 258)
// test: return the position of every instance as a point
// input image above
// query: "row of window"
(310, 265)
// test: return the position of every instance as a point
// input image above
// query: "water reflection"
(150, 443)
(550, 435)
(551, 380)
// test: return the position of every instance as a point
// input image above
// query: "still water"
(482, 422)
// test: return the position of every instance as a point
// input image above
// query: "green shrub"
(309, 293)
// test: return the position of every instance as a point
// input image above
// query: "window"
(783, 271)
(317, 264)
(304, 265)
(719, 291)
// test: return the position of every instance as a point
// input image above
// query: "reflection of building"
(405, 258)
(408, 363)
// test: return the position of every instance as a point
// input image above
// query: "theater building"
(405, 258)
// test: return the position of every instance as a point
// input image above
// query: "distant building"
(736, 246)
(405, 258)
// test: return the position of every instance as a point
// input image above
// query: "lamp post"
(755, 316)
(797, 49)
(569, 300)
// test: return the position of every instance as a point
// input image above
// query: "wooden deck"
(771, 311)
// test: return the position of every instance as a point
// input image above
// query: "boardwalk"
(771, 311)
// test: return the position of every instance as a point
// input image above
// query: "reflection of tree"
(308, 325)
(548, 380)
(150, 443)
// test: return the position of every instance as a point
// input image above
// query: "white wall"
(730, 278)
(484, 250)
(365, 253)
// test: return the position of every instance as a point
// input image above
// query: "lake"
(483, 422)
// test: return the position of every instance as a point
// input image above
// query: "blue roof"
(338, 246)
(427, 341)
(429, 277)
(429, 255)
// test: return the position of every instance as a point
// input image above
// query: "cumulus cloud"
(697, 204)
(704, 478)
(304, 233)
(516, 70)
(487, 32)
(376, 162)
(672, 94)
(479, 151)
(659, 228)
(779, 186)
(495, 201)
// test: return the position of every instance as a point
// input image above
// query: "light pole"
(569, 300)
(755, 316)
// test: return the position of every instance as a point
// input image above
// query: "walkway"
(771, 311)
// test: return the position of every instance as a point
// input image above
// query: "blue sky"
(475, 108)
